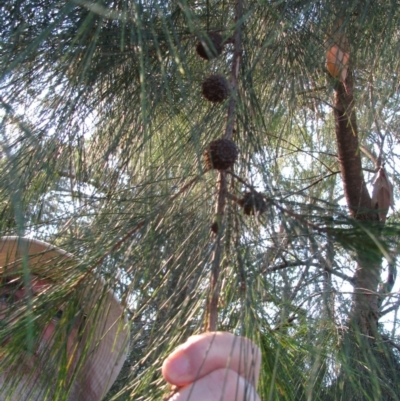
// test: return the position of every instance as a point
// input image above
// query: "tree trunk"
(364, 313)
(358, 378)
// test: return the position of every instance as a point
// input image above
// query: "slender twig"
(294, 263)
(212, 306)
(237, 55)
(299, 283)
(283, 210)
(300, 218)
(284, 265)
(394, 307)
(392, 343)
(305, 92)
(297, 311)
(185, 187)
(370, 155)
(312, 184)
(323, 101)
(287, 323)
(292, 193)
(212, 312)
(341, 275)
(242, 180)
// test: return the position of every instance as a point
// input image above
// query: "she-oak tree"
(104, 127)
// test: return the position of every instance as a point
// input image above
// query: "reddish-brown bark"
(357, 196)
(364, 314)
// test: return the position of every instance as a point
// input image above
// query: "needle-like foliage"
(102, 136)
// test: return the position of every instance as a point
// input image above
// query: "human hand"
(214, 366)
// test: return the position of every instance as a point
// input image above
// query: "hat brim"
(108, 325)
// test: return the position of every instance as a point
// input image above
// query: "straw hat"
(106, 327)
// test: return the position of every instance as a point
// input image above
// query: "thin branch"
(370, 170)
(312, 184)
(341, 275)
(392, 343)
(299, 283)
(295, 263)
(242, 180)
(394, 307)
(185, 187)
(287, 323)
(283, 210)
(212, 306)
(296, 312)
(307, 152)
(285, 264)
(370, 156)
(237, 55)
(307, 91)
(300, 218)
(323, 101)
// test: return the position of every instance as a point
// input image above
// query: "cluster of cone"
(222, 153)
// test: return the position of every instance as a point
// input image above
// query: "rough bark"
(364, 314)
(355, 189)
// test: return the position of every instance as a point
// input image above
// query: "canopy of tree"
(104, 125)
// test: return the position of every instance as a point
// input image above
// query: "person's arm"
(214, 366)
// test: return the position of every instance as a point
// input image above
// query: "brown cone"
(216, 88)
(215, 227)
(220, 154)
(253, 203)
(207, 52)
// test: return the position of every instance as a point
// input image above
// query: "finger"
(207, 352)
(219, 385)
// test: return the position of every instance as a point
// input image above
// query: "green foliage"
(103, 127)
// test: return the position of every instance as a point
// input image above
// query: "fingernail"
(179, 369)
